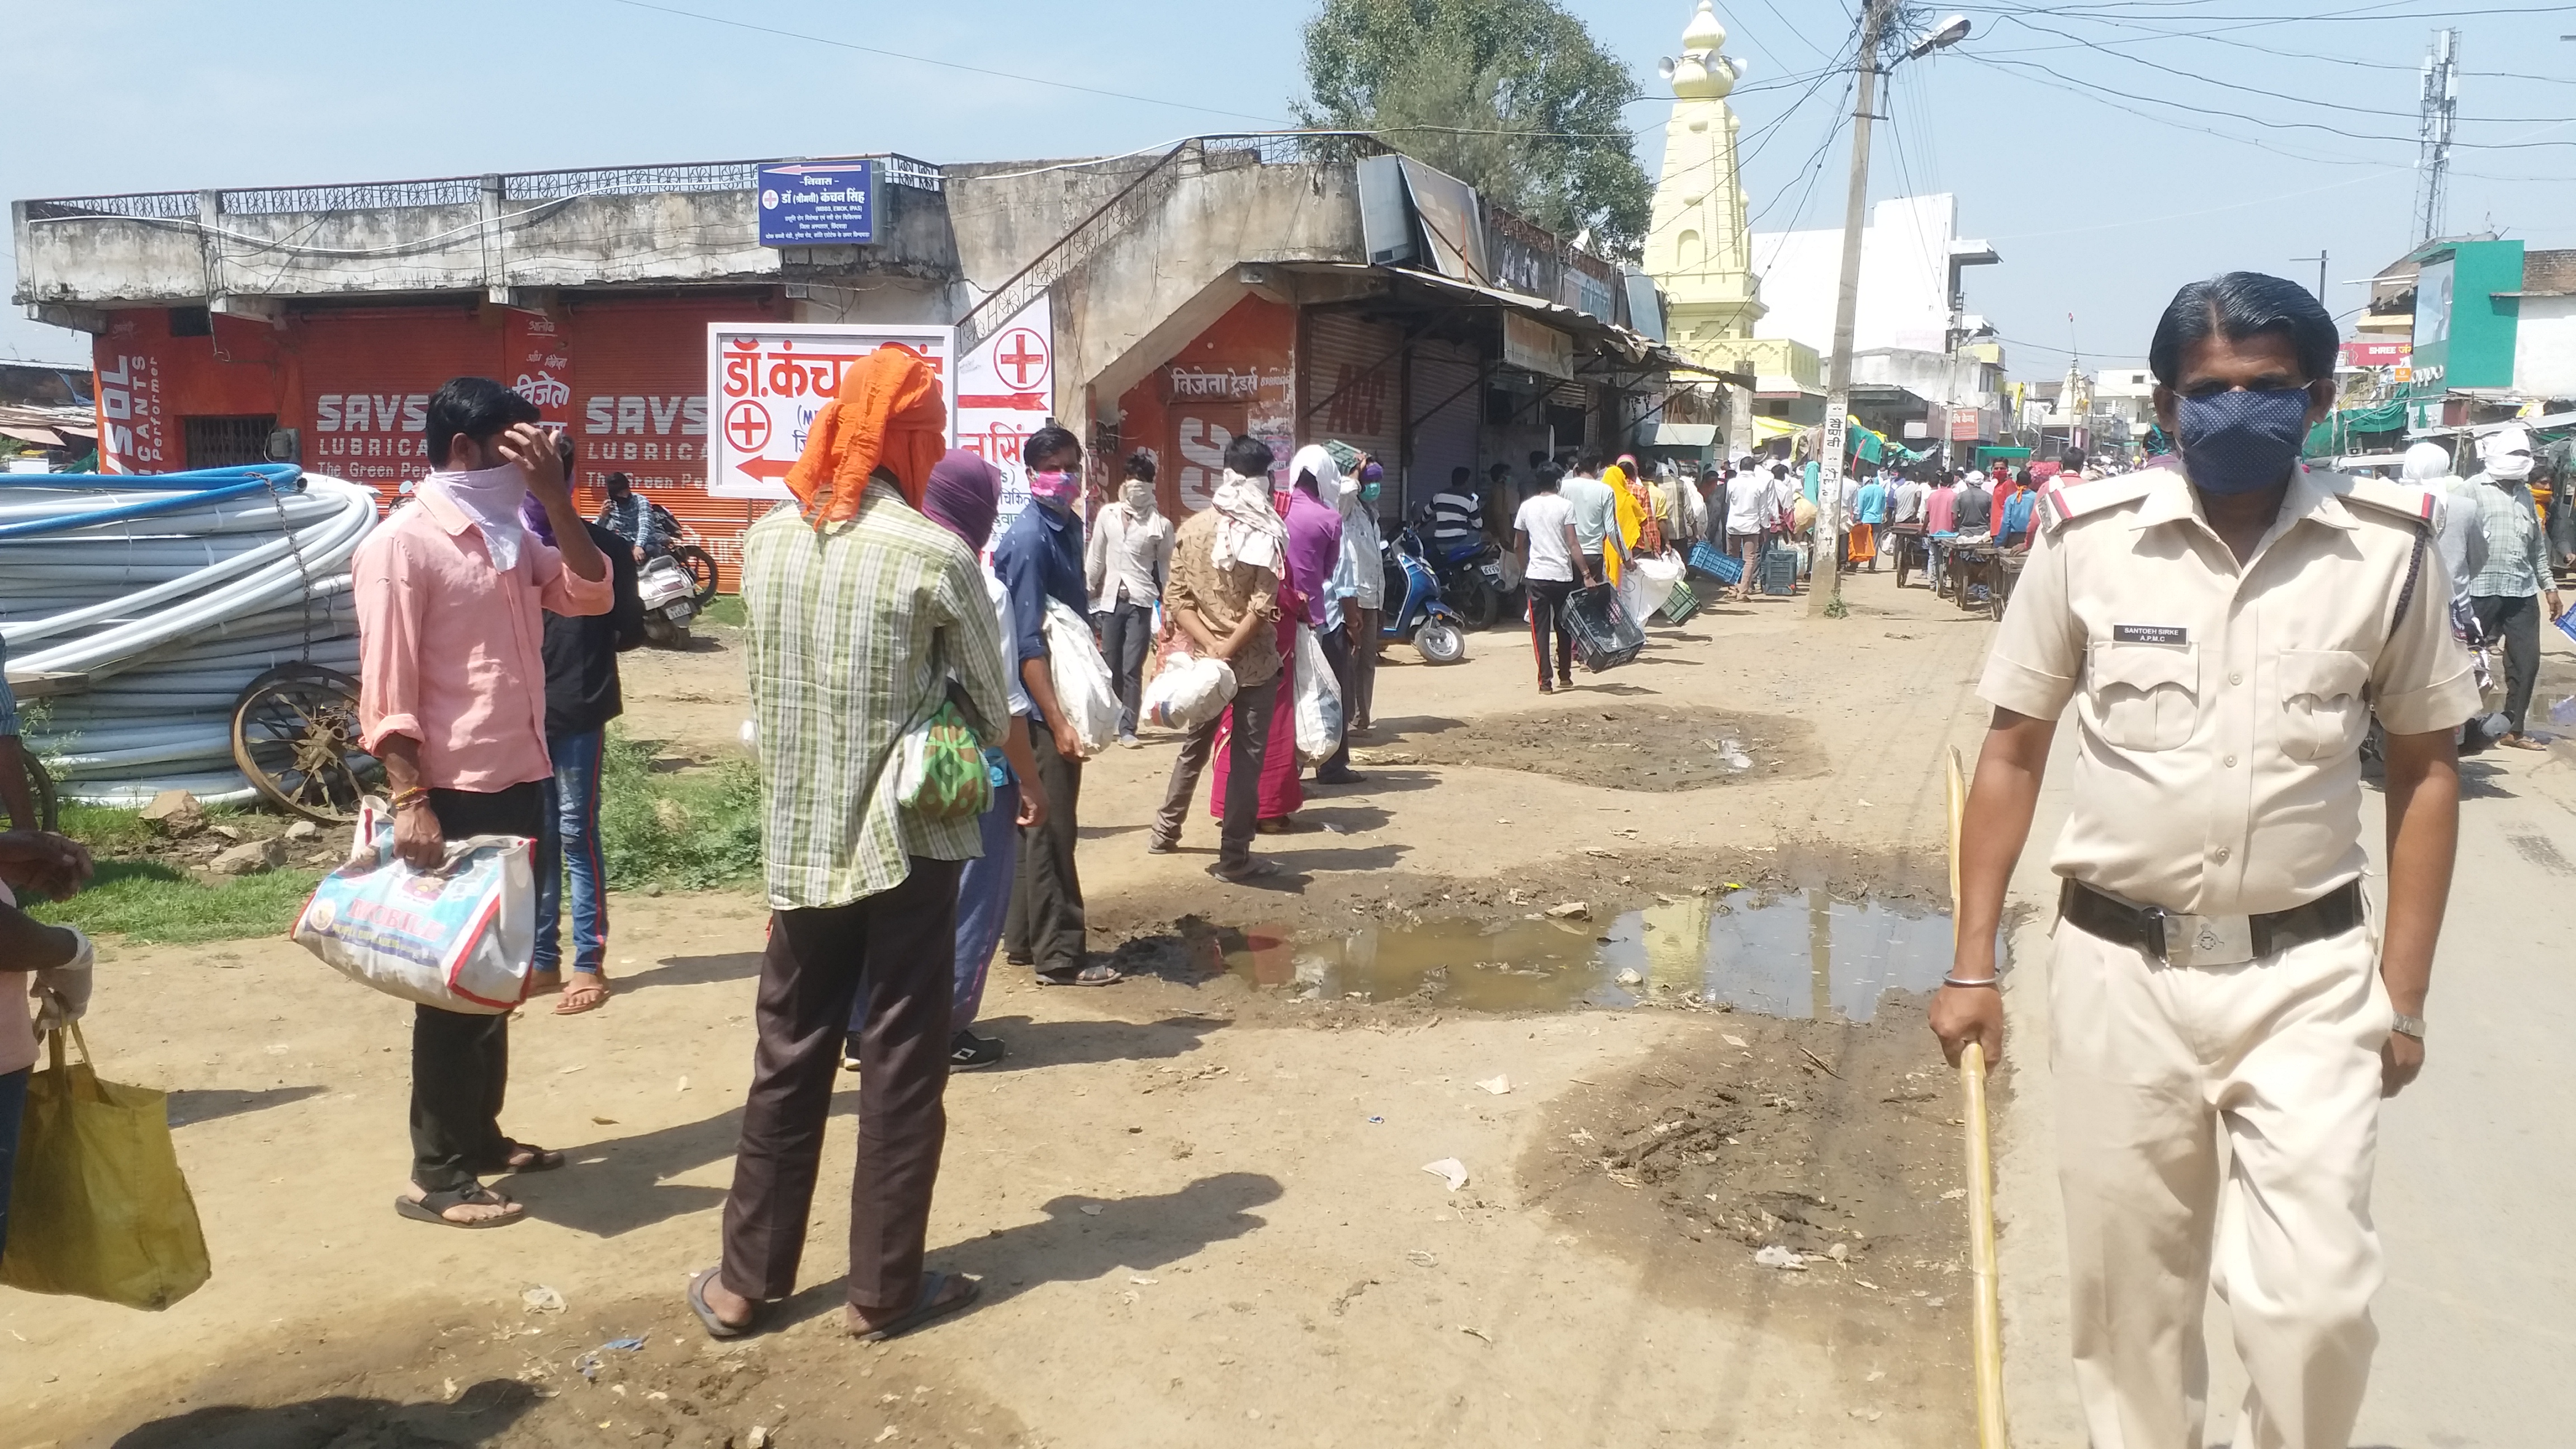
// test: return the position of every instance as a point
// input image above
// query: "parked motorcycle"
(1413, 613)
(670, 600)
(1479, 579)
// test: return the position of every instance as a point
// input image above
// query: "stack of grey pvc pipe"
(160, 599)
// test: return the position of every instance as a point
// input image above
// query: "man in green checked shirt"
(855, 628)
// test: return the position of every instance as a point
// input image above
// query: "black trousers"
(1256, 712)
(900, 947)
(2517, 623)
(1044, 924)
(1359, 705)
(1126, 631)
(1338, 653)
(1547, 621)
(460, 1063)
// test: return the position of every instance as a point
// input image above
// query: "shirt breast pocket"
(2324, 702)
(2145, 696)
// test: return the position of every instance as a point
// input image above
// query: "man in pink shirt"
(453, 700)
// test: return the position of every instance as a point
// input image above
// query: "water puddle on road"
(1793, 954)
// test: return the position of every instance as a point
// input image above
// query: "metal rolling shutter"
(367, 374)
(1447, 397)
(1350, 384)
(639, 384)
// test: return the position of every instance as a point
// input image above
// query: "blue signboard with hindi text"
(818, 203)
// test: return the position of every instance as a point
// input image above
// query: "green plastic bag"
(940, 771)
(98, 1208)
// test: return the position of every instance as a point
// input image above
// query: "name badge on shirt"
(2149, 634)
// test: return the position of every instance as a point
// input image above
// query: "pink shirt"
(1941, 511)
(452, 653)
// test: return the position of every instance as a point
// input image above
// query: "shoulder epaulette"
(2420, 506)
(2067, 502)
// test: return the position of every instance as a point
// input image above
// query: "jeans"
(13, 1106)
(1126, 631)
(2515, 622)
(570, 842)
(983, 895)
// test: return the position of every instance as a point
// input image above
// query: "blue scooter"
(1414, 613)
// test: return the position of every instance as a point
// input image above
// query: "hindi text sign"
(766, 383)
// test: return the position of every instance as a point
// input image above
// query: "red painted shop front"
(625, 376)
(1235, 377)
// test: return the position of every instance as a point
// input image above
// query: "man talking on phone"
(450, 594)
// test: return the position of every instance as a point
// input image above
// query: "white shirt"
(1545, 517)
(1126, 557)
(1748, 498)
(1010, 643)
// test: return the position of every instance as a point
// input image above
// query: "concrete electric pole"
(1825, 584)
(2439, 109)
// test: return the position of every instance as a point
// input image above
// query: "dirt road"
(1197, 1200)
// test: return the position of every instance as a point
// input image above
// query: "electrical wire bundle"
(156, 600)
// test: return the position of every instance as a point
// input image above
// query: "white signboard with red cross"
(767, 382)
(1006, 391)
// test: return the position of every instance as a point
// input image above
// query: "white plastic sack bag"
(1084, 688)
(1647, 583)
(1189, 692)
(461, 938)
(1319, 701)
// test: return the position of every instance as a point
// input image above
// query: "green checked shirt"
(854, 634)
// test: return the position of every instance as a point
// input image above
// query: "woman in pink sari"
(1282, 791)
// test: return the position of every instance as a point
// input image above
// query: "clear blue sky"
(2100, 192)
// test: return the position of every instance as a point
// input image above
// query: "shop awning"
(1629, 346)
(2334, 433)
(1685, 435)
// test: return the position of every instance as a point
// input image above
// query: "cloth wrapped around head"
(964, 495)
(2506, 453)
(888, 414)
(1248, 528)
(2425, 463)
(1314, 459)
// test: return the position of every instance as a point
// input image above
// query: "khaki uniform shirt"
(2222, 708)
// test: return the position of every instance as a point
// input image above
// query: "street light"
(1952, 31)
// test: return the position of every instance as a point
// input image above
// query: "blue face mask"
(2241, 442)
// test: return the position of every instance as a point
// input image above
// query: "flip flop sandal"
(1094, 974)
(597, 983)
(1257, 870)
(717, 1327)
(925, 1308)
(538, 1159)
(432, 1207)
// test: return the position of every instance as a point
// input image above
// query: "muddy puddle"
(1801, 954)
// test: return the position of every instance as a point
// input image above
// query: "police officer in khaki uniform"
(2224, 629)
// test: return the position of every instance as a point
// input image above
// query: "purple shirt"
(1314, 546)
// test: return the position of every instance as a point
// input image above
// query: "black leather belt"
(2182, 940)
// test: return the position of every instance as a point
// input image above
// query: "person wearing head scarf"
(1303, 556)
(2508, 593)
(583, 693)
(1125, 565)
(1314, 520)
(889, 413)
(963, 495)
(1359, 589)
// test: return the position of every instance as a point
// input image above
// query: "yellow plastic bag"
(98, 1208)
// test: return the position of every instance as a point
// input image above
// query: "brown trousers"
(903, 945)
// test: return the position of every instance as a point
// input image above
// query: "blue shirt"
(2017, 514)
(1040, 558)
(8, 696)
(1871, 505)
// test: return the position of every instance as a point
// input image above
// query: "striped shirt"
(854, 632)
(2517, 565)
(1456, 517)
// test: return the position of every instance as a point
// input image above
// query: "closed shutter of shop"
(367, 375)
(1349, 384)
(1447, 396)
(639, 385)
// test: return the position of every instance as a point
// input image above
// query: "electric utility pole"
(2439, 109)
(1825, 579)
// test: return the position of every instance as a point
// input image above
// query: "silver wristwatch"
(2406, 1025)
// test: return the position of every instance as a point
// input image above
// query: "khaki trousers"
(2152, 1063)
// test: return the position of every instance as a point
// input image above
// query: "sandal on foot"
(717, 1327)
(926, 1307)
(432, 1207)
(2521, 742)
(588, 991)
(521, 1157)
(1094, 974)
(1249, 870)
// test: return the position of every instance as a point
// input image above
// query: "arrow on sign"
(767, 470)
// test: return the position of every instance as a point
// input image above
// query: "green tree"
(1513, 97)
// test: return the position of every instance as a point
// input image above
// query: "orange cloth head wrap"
(889, 413)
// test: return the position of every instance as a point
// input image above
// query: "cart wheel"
(702, 573)
(1440, 642)
(295, 734)
(40, 783)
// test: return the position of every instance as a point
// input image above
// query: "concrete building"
(1912, 262)
(1700, 252)
(1229, 285)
